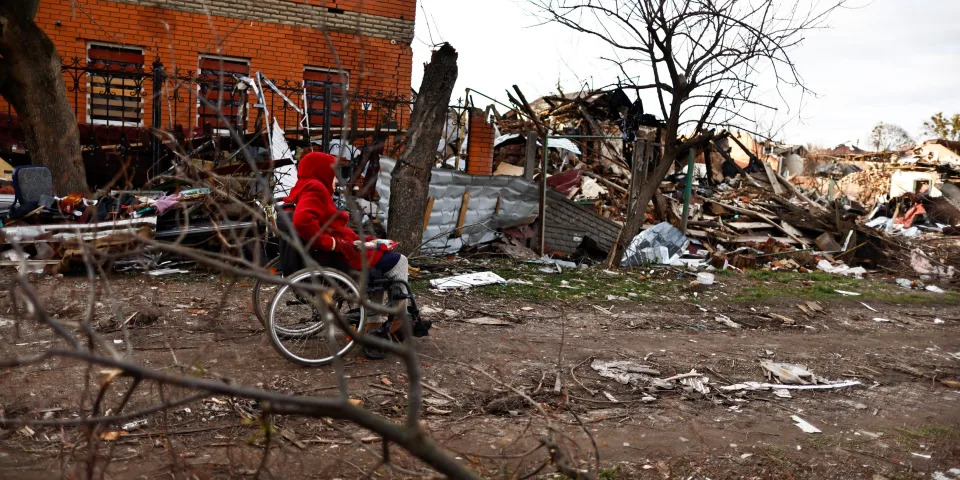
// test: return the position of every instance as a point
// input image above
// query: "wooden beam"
(531, 159)
(542, 209)
(748, 225)
(605, 181)
(762, 238)
(463, 213)
(751, 213)
(635, 165)
(773, 178)
(799, 194)
(427, 212)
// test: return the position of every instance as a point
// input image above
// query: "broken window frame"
(209, 80)
(131, 75)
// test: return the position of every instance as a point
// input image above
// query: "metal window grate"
(115, 93)
(320, 82)
(217, 85)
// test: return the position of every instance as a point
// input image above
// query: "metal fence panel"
(518, 206)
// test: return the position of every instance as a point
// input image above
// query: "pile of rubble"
(43, 231)
(765, 221)
(591, 149)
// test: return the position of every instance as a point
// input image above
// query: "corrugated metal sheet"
(518, 206)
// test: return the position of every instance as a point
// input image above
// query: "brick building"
(292, 42)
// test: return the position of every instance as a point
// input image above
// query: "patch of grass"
(823, 286)
(948, 298)
(912, 437)
(609, 474)
(901, 476)
(778, 457)
(821, 441)
(581, 284)
(593, 284)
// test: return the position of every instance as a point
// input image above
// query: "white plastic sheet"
(841, 269)
(662, 243)
(467, 281)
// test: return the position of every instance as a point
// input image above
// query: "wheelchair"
(305, 318)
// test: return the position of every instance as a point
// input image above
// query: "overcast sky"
(896, 61)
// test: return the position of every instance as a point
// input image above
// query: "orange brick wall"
(279, 51)
(480, 145)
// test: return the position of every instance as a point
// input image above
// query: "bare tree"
(888, 136)
(31, 80)
(943, 127)
(705, 59)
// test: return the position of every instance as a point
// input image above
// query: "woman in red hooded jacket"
(324, 228)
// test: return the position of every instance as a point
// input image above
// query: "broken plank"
(790, 229)
(427, 212)
(795, 190)
(605, 181)
(463, 213)
(763, 238)
(749, 225)
(751, 213)
(773, 178)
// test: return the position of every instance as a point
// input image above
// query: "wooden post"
(427, 212)
(531, 164)
(687, 191)
(543, 195)
(635, 165)
(707, 158)
(463, 213)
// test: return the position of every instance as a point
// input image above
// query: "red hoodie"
(316, 219)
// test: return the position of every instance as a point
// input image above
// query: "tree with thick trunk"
(704, 59)
(410, 180)
(31, 80)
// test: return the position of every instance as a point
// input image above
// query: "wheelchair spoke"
(302, 316)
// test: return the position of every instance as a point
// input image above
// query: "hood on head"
(318, 166)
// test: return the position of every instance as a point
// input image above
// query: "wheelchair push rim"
(301, 322)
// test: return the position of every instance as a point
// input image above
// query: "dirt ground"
(901, 422)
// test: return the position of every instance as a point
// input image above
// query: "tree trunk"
(637, 211)
(410, 180)
(31, 80)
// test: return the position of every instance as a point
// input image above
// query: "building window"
(319, 82)
(218, 94)
(115, 88)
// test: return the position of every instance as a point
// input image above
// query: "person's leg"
(399, 272)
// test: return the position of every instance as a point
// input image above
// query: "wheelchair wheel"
(261, 297)
(301, 318)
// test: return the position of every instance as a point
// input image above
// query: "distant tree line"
(890, 136)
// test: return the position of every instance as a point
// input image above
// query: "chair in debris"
(31, 183)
